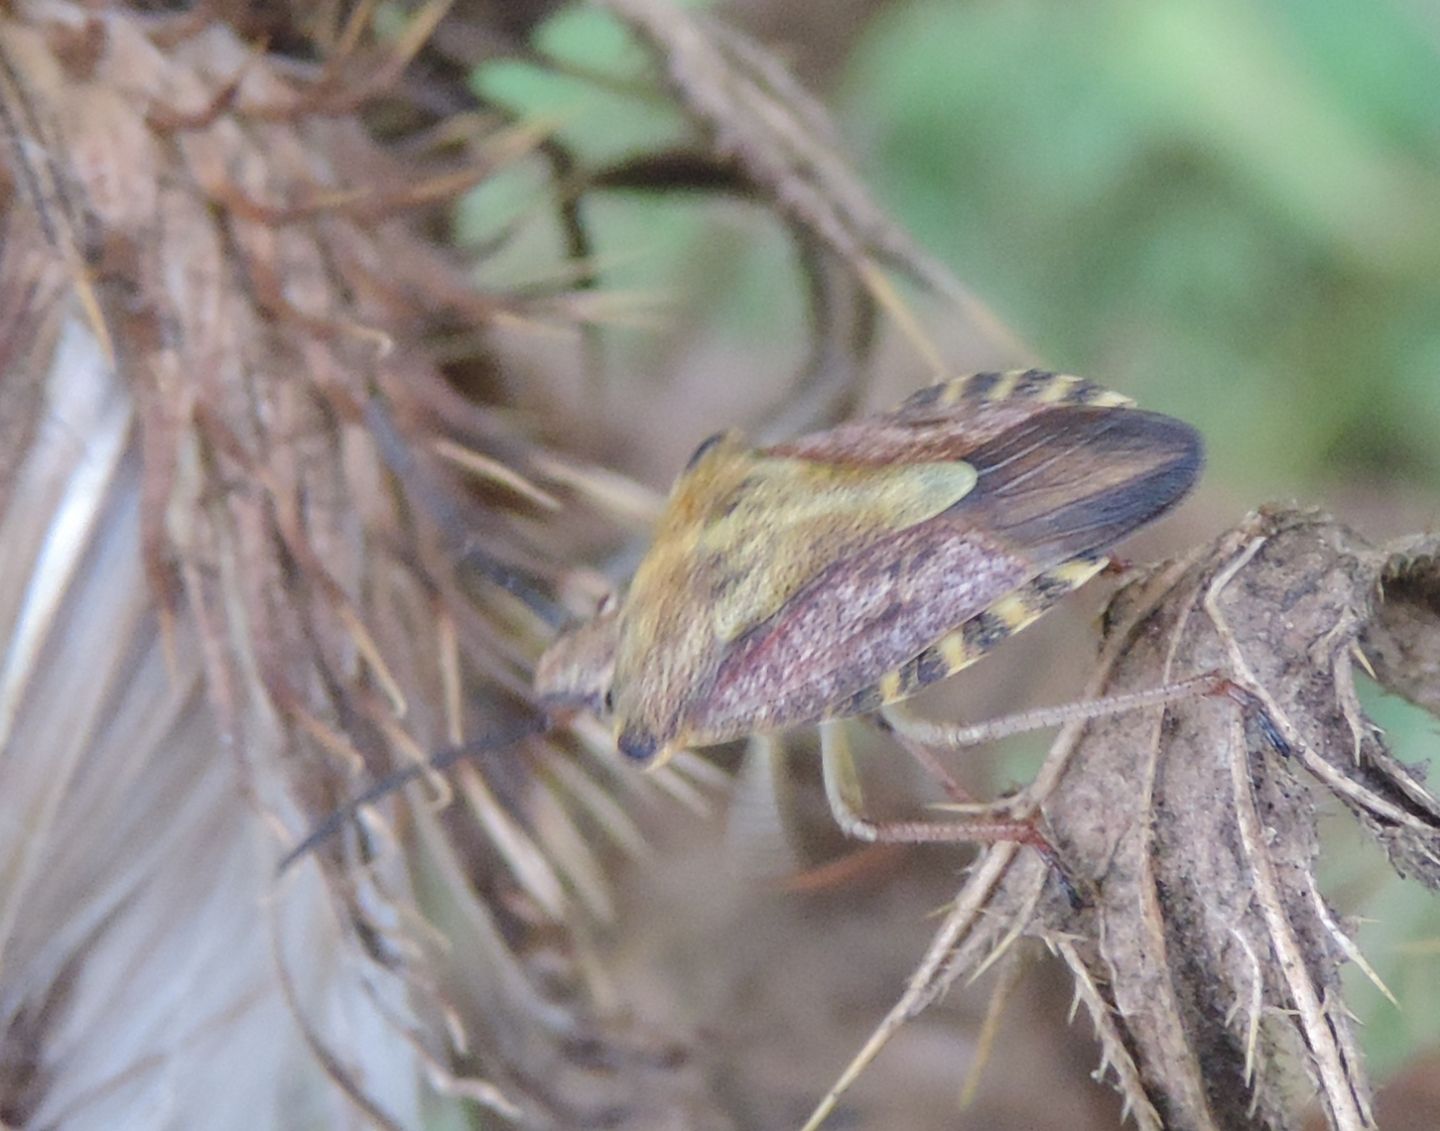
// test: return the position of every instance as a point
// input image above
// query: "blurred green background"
(1229, 210)
(1233, 203)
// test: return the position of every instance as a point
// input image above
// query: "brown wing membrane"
(1065, 483)
(1077, 480)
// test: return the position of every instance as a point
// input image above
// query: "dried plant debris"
(759, 122)
(266, 509)
(1202, 948)
(252, 533)
(757, 115)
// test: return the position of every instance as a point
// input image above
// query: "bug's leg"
(842, 790)
(928, 761)
(983, 824)
(955, 736)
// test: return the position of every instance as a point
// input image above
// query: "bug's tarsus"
(442, 761)
(1272, 733)
(1256, 711)
(1061, 872)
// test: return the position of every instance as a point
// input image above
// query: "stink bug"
(833, 575)
(836, 574)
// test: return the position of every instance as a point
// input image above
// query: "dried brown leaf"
(776, 132)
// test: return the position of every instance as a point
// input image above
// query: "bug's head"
(577, 670)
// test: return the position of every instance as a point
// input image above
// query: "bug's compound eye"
(637, 745)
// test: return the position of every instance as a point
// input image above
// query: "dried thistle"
(1205, 953)
(252, 537)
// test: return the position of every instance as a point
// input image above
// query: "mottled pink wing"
(1060, 484)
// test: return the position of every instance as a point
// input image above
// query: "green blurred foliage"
(637, 240)
(1231, 209)
(1398, 923)
(649, 248)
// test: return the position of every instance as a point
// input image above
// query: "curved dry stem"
(1206, 955)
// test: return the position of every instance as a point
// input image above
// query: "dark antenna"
(442, 761)
(421, 485)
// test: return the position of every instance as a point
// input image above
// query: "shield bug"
(841, 572)
(836, 574)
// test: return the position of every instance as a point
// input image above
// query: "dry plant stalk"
(251, 531)
(1205, 953)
